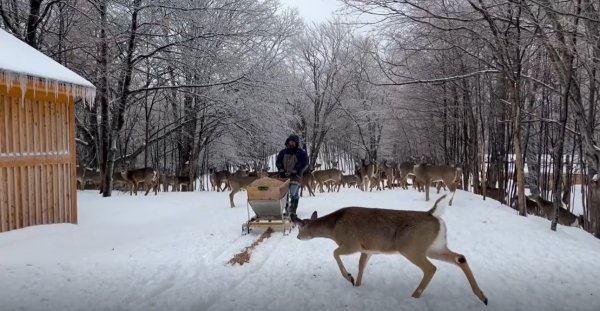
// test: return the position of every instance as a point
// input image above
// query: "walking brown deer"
(413, 234)
(147, 175)
(426, 174)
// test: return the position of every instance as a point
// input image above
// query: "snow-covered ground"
(170, 252)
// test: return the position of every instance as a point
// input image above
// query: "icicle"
(23, 84)
(9, 79)
(70, 89)
(55, 86)
(46, 85)
(33, 81)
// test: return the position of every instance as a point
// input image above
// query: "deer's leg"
(428, 269)
(231, 198)
(148, 187)
(460, 260)
(310, 190)
(427, 186)
(344, 250)
(452, 188)
(362, 263)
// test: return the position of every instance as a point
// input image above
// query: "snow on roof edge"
(20, 60)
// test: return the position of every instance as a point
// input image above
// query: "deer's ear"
(297, 221)
(313, 216)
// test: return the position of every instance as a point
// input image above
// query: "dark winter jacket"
(291, 162)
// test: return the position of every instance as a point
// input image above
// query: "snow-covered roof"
(19, 59)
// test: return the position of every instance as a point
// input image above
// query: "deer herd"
(367, 176)
(131, 180)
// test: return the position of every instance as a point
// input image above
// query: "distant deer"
(368, 175)
(308, 181)
(218, 178)
(497, 194)
(530, 204)
(387, 172)
(119, 183)
(404, 170)
(166, 181)
(240, 181)
(427, 173)
(413, 234)
(350, 180)
(147, 175)
(85, 175)
(183, 181)
(565, 217)
(329, 175)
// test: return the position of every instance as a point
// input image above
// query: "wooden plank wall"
(37, 159)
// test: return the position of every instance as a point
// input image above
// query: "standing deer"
(413, 234)
(350, 180)
(387, 173)
(308, 181)
(405, 169)
(166, 181)
(368, 175)
(565, 217)
(183, 181)
(218, 178)
(426, 174)
(146, 175)
(238, 182)
(85, 175)
(329, 175)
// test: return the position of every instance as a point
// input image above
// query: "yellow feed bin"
(267, 198)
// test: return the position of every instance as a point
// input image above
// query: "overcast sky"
(314, 10)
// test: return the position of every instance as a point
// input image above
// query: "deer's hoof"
(350, 278)
(417, 293)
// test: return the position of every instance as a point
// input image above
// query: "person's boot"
(293, 206)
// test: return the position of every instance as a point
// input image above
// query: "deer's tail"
(439, 206)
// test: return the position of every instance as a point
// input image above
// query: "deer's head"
(306, 227)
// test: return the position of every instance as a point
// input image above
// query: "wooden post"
(73, 190)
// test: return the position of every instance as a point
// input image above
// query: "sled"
(267, 198)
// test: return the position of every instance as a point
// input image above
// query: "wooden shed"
(37, 136)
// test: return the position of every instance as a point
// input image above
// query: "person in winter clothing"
(291, 163)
